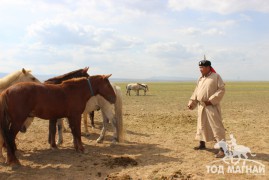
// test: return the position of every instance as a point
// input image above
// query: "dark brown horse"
(49, 101)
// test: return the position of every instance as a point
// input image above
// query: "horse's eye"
(33, 78)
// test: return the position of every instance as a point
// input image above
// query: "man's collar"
(208, 74)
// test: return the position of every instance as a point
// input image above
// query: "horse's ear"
(23, 70)
(85, 69)
(107, 76)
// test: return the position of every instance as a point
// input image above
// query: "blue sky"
(136, 39)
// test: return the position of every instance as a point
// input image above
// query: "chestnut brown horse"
(57, 80)
(49, 101)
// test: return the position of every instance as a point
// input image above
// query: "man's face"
(204, 70)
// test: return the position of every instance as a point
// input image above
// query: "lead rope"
(89, 82)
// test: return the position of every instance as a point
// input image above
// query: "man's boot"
(201, 146)
(220, 154)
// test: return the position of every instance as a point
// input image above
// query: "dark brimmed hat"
(204, 62)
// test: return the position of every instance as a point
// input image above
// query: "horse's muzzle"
(112, 99)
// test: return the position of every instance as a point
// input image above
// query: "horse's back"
(132, 86)
(35, 99)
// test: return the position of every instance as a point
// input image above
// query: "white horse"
(7, 81)
(111, 113)
(136, 87)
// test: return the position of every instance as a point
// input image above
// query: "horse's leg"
(91, 114)
(60, 131)
(26, 124)
(75, 125)
(115, 130)
(64, 129)
(11, 146)
(85, 118)
(103, 132)
(52, 133)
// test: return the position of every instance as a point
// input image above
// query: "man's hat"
(204, 62)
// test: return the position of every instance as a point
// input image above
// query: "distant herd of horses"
(24, 97)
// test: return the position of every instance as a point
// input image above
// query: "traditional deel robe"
(209, 125)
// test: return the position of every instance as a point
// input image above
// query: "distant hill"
(153, 79)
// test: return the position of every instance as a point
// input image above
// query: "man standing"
(207, 96)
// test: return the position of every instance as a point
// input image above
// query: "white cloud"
(221, 7)
(199, 31)
(54, 33)
(59, 33)
(133, 39)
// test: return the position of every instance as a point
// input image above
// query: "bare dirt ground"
(159, 142)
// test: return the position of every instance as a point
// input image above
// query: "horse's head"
(26, 76)
(83, 72)
(147, 88)
(102, 86)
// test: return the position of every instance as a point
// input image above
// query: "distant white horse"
(110, 112)
(136, 87)
(5, 82)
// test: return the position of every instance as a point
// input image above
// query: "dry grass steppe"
(159, 143)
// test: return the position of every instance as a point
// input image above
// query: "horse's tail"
(118, 114)
(5, 124)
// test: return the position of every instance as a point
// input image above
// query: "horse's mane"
(7, 80)
(141, 85)
(73, 80)
(63, 77)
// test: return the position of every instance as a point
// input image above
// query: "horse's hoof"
(23, 129)
(53, 148)
(15, 166)
(114, 141)
(86, 151)
(80, 150)
(58, 143)
(99, 140)
(2, 160)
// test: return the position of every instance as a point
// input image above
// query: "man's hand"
(208, 103)
(190, 107)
